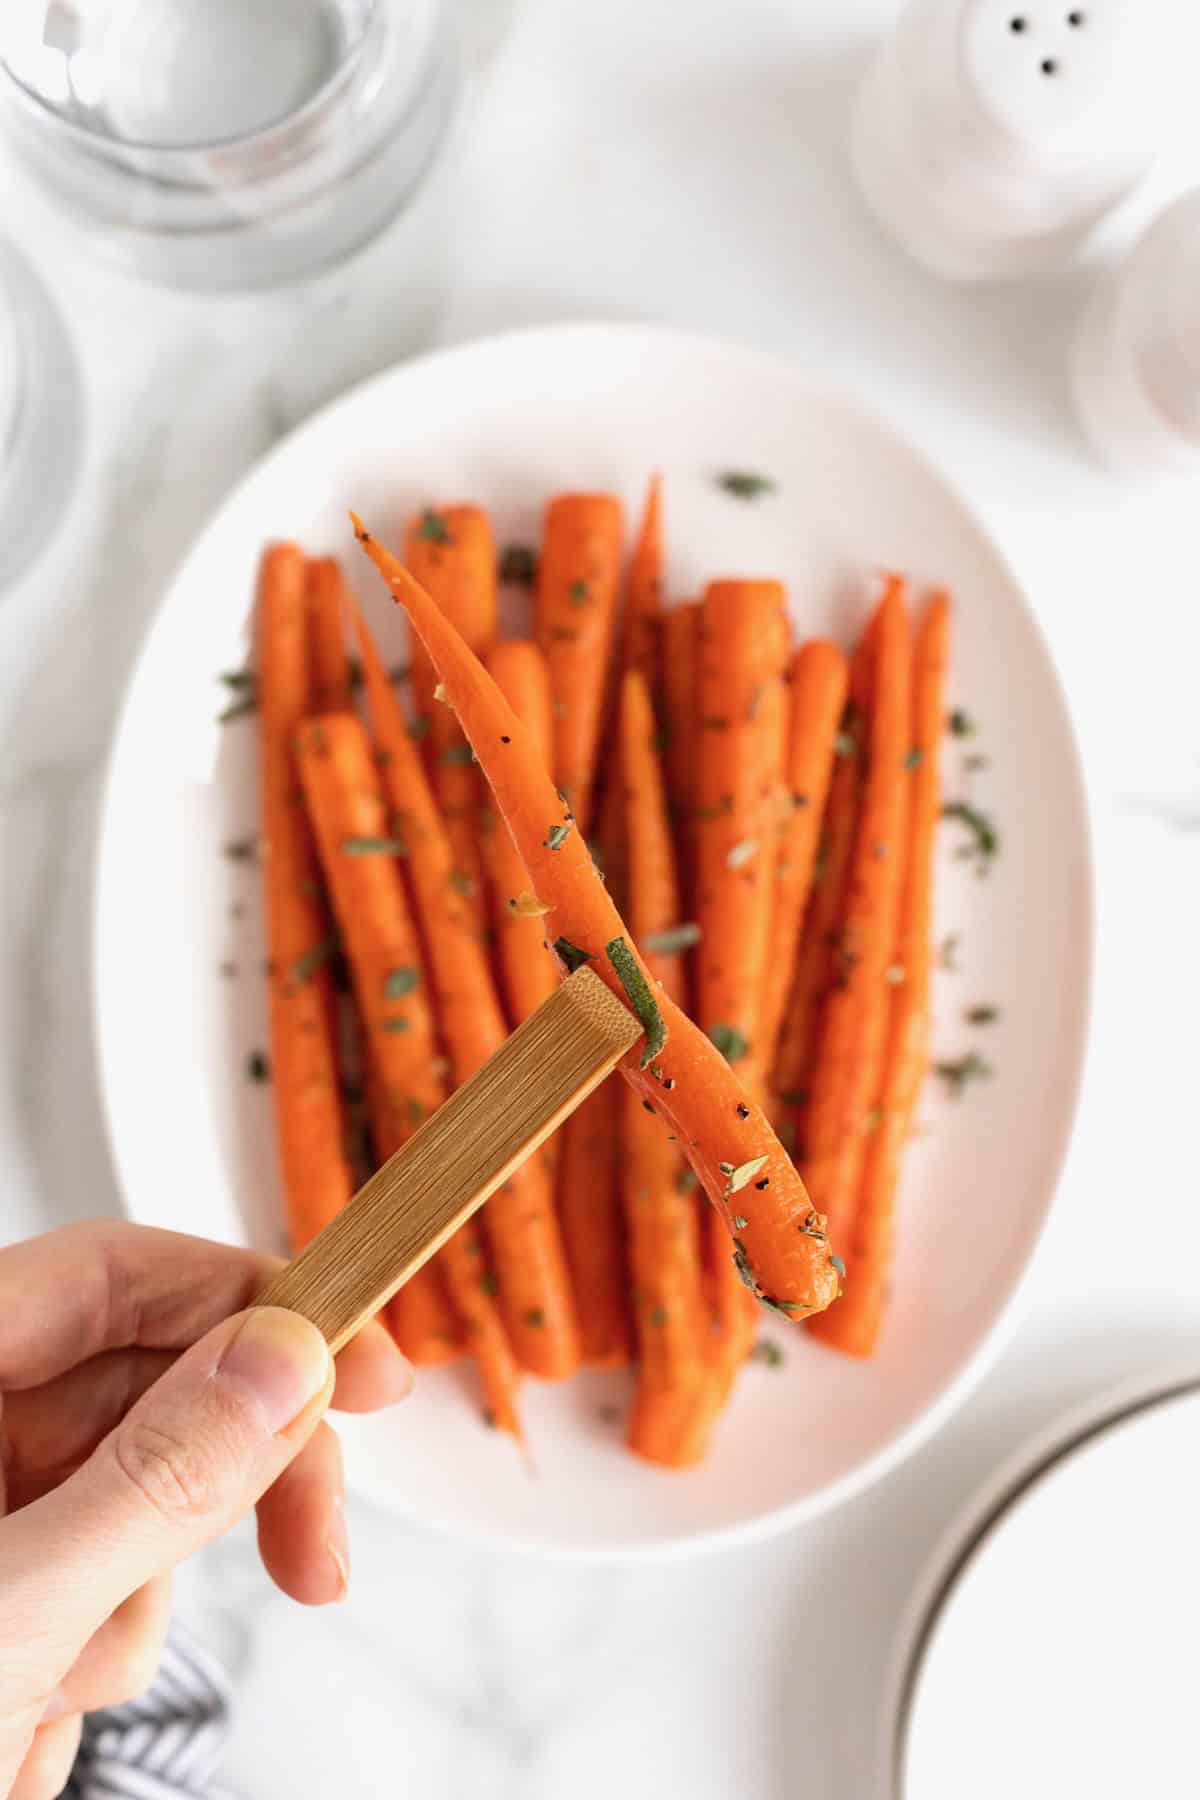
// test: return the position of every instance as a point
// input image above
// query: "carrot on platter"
(855, 1323)
(519, 1221)
(817, 696)
(310, 1127)
(331, 665)
(739, 764)
(851, 1038)
(452, 553)
(680, 671)
(578, 581)
(781, 1251)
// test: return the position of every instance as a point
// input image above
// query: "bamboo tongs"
(461, 1154)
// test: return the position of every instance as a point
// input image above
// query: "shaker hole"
(1049, 66)
(1017, 24)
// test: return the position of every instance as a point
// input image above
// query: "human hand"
(138, 1420)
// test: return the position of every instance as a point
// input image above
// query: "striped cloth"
(168, 1744)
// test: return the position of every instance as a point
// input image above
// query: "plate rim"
(910, 1438)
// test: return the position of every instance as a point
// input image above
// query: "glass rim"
(105, 143)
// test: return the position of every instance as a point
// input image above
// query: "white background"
(687, 165)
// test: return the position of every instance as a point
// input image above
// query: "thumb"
(199, 1448)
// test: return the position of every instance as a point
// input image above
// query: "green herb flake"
(658, 1317)
(461, 882)
(845, 744)
(794, 1096)
(745, 1172)
(741, 853)
(637, 990)
(242, 850)
(960, 724)
(419, 728)
(671, 941)
(915, 758)
(457, 754)
(257, 1067)
(835, 1262)
(240, 680)
(238, 709)
(488, 1283)
(557, 836)
(743, 485)
(398, 982)
(518, 564)
(767, 1352)
(373, 846)
(740, 1221)
(434, 528)
(686, 1181)
(397, 1024)
(535, 1317)
(570, 955)
(732, 1043)
(415, 1111)
(306, 966)
(948, 952)
(577, 593)
(608, 1415)
(982, 1015)
(984, 844)
(958, 1075)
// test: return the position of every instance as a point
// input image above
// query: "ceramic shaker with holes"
(991, 136)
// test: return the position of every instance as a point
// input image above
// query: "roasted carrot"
(527, 973)
(654, 904)
(579, 574)
(331, 666)
(850, 1043)
(743, 655)
(680, 671)
(452, 553)
(817, 695)
(317, 1179)
(854, 1325)
(519, 1221)
(780, 1250)
(664, 1250)
(816, 963)
(589, 1208)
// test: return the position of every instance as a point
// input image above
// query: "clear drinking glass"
(41, 415)
(227, 143)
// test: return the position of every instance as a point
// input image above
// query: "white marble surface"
(684, 165)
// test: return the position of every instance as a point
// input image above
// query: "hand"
(138, 1420)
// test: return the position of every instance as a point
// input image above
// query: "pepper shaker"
(991, 136)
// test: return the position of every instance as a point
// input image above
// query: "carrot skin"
(589, 1208)
(310, 1128)
(326, 588)
(720, 1128)
(817, 696)
(855, 1323)
(579, 574)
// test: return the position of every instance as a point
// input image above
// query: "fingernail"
(338, 1545)
(56, 1707)
(280, 1359)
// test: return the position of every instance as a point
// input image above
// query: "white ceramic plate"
(1054, 1652)
(507, 422)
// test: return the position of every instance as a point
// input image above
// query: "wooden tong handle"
(461, 1154)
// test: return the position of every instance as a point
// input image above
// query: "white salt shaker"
(1137, 358)
(990, 136)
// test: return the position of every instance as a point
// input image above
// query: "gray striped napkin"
(167, 1745)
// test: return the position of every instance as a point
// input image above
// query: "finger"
(47, 1767)
(302, 1524)
(121, 1660)
(106, 1284)
(194, 1453)
(51, 1429)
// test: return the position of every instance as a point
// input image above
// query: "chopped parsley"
(570, 955)
(397, 1024)
(984, 843)
(732, 1043)
(238, 709)
(577, 593)
(242, 850)
(982, 1015)
(399, 982)
(306, 966)
(257, 1066)
(948, 952)
(767, 1352)
(457, 753)
(744, 485)
(686, 1181)
(960, 724)
(461, 882)
(557, 836)
(637, 990)
(434, 527)
(958, 1075)
(672, 940)
(373, 846)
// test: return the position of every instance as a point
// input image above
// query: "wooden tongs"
(461, 1154)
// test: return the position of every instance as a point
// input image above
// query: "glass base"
(41, 416)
